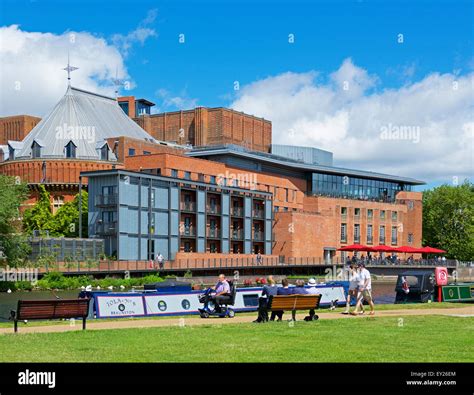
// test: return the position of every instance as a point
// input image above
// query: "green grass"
(381, 307)
(411, 339)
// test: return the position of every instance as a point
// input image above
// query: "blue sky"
(248, 41)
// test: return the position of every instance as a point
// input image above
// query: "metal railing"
(106, 228)
(187, 206)
(237, 211)
(211, 209)
(215, 233)
(187, 231)
(237, 234)
(106, 200)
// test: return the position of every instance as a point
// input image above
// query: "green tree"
(448, 220)
(66, 220)
(64, 223)
(13, 244)
(39, 217)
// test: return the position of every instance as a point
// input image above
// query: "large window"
(370, 238)
(382, 234)
(356, 233)
(394, 235)
(356, 188)
(343, 233)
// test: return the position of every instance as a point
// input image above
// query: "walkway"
(193, 320)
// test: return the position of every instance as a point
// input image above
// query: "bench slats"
(52, 309)
(294, 302)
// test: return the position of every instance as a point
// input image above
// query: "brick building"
(16, 127)
(202, 126)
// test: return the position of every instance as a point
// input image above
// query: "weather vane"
(69, 69)
(117, 82)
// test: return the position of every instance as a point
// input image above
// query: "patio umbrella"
(383, 248)
(408, 249)
(355, 247)
(431, 250)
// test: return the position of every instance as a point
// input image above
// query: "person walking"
(364, 290)
(353, 282)
(160, 260)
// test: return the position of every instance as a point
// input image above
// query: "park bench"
(293, 303)
(51, 309)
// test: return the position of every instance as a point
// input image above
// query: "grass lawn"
(384, 339)
(380, 307)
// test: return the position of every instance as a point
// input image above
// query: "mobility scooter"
(212, 309)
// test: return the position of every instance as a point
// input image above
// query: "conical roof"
(86, 119)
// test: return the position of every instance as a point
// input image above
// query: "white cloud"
(170, 101)
(31, 75)
(138, 35)
(350, 122)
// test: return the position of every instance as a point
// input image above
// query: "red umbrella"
(355, 247)
(431, 250)
(408, 249)
(383, 248)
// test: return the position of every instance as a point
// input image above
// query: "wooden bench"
(51, 309)
(293, 303)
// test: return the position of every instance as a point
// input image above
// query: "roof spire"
(117, 82)
(69, 69)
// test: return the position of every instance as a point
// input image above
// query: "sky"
(386, 86)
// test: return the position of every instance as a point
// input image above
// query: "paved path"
(193, 320)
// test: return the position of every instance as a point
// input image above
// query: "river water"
(383, 293)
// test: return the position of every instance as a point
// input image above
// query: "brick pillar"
(200, 126)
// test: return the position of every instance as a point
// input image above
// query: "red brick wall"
(16, 128)
(209, 126)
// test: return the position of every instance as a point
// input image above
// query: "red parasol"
(431, 250)
(355, 247)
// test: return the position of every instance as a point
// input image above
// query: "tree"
(39, 217)
(448, 220)
(12, 243)
(65, 223)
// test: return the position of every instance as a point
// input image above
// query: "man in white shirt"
(364, 290)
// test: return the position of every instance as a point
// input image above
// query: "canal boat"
(170, 298)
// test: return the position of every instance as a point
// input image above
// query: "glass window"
(131, 151)
(174, 173)
(410, 238)
(369, 234)
(146, 152)
(70, 150)
(357, 212)
(394, 234)
(213, 179)
(35, 150)
(356, 233)
(394, 215)
(104, 152)
(382, 234)
(343, 233)
(187, 175)
(370, 213)
(343, 211)
(382, 214)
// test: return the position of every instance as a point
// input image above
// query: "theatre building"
(227, 199)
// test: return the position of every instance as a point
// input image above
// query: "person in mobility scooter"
(217, 299)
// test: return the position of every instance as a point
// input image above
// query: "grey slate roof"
(85, 118)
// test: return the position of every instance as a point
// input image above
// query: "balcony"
(188, 206)
(258, 213)
(187, 231)
(106, 200)
(258, 236)
(213, 233)
(237, 211)
(106, 228)
(213, 209)
(237, 234)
